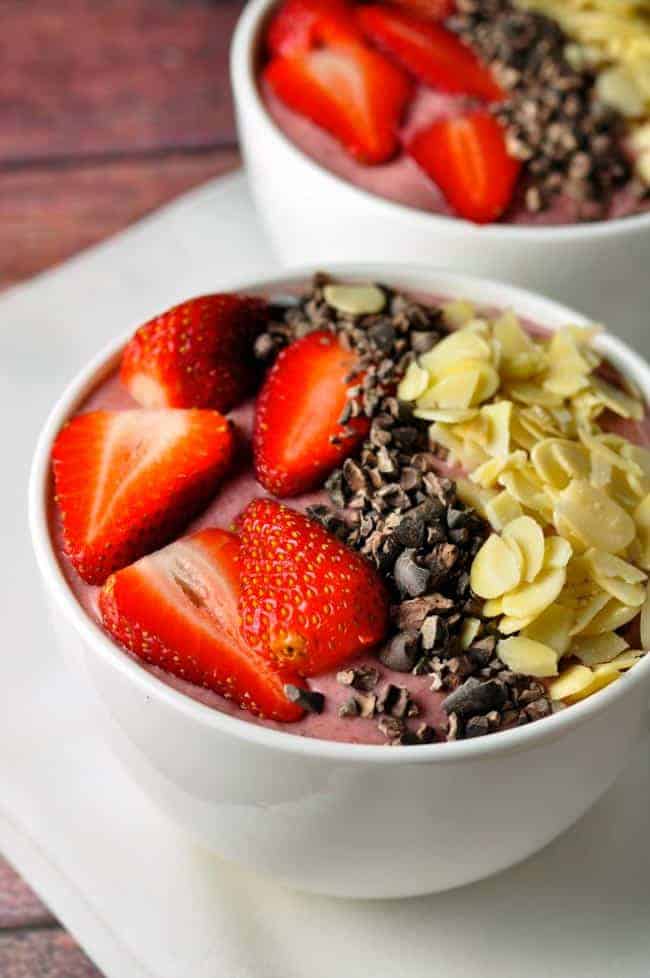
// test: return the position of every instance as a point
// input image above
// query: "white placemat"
(142, 899)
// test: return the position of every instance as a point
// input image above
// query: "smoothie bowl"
(476, 135)
(404, 584)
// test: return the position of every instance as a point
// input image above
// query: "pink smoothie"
(402, 181)
(233, 495)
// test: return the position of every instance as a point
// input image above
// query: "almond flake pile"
(568, 501)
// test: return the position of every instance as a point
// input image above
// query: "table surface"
(94, 135)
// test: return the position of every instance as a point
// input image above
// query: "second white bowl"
(313, 216)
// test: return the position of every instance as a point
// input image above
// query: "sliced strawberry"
(344, 87)
(197, 354)
(128, 481)
(297, 438)
(467, 158)
(300, 25)
(178, 609)
(307, 600)
(429, 9)
(429, 51)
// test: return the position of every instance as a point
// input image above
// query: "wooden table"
(108, 108)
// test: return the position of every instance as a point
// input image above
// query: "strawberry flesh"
(297, 415)
(128, 481)
(300, 25)
(197, 354)
(428, 9)
(307, 601)
(467, 157)
(178, 609)
(428, 50)
(326, 72)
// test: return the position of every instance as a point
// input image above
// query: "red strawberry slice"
(128, 481)
(300, 25)
(178, 609)
(333, 78)
(297, 415)
(307, 600)
(197, 354)
(429, 9)
(429, 51)
(467, 158)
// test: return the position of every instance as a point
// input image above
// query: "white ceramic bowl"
(313, 216)
(346, 819)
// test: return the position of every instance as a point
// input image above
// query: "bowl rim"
(243, 57)
(484, 291)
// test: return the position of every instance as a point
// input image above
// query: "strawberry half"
(178, 609)
(429, 9)
(128, 481)
(429, 51)
(467, 157)
(196, 355)
(300, 25)
(307, 600)
(326, 72)
(297, 415)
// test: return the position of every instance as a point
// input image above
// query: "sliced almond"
(594, 518)
(509, 625)
(570, 683)
(599, 648)
(355, 300)
(616, 400)
(603, 675)
(495, 569)
(604, 564)
(587, 610)
(454, 389)
(531, 393)
(414, 383)
(632, 595)
(458, 312)
(462, 345)
(502, 509)
(547, 465)
(557, 552)
(529, 600)
(528, 536)
(475, 496)
(626, 660)
(614, 615)
(493, 607)
(528, 657)
(446, 416)
(552, 628)
(469, 631)
(497, 416)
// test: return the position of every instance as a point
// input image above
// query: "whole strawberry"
(197, 354)
(307, 601)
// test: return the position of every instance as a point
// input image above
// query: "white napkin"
(144, 900)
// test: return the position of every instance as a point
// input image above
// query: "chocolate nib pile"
(569, 141)
(392, 505)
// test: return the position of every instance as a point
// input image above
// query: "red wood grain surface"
(47, 214)
(84, 77)
(108, 109)
(51, 953)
